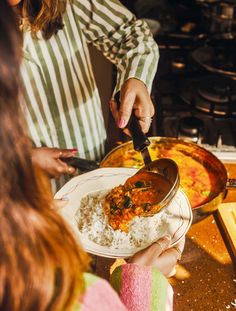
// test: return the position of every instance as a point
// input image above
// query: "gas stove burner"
(218, 16)
(213, 95)
(217, 90)
(219, 59)
(222, 9)
(180, 41)
(191, 128)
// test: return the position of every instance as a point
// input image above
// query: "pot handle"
(84, 165)
(231, 183)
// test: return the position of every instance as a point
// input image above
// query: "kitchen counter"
(205, 278)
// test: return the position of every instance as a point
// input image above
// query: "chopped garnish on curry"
(139, 196)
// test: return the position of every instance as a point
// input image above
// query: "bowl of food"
(86, 212)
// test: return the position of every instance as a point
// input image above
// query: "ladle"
(166, 178)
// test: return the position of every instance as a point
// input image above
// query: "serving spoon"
(163, 172)
(163, 176)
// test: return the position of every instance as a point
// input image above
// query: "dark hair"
(41, 265)
(44, 15)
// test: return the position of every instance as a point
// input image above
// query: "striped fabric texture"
(99, 296)
(139, 288)
(142, 288)
(60, 96)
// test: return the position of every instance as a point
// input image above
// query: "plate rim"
(80, 179)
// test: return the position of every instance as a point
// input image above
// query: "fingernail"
(121, 123)
(73, 150)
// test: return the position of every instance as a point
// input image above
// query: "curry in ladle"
(141, 195)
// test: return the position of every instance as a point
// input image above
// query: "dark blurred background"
(195, 86)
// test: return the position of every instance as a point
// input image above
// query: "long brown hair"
(41, 264)
(44, 15)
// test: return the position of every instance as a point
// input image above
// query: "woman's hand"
(133, 96)
(49, 160)
(160, 256)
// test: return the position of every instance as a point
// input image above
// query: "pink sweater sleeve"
(100, 296)
(142, 288)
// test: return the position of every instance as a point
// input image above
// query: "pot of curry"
(203, 177)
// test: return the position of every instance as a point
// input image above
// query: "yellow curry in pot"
(196, 179)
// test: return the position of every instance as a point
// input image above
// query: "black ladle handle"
(140, 140)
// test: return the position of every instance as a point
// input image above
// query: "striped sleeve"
(142, 288)
(124, 40)
(99, 296)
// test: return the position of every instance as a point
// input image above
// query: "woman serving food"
(61, 99)
(37, 247)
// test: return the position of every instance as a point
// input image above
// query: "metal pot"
(124, 155)
(219, 16)
(218, 55)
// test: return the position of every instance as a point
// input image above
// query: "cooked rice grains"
(93, 222)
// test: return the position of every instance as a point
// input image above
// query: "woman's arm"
(140, 289)
(142, 283)
(124, 40)
(128, 43)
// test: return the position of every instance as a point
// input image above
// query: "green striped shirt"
(62, 104)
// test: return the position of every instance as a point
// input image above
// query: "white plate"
(179, 210)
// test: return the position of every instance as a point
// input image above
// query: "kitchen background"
(195, 87)
(194, 92)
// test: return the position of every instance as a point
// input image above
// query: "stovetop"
(200, 109)
(195, 86)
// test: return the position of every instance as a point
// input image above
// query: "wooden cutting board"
(227, 218)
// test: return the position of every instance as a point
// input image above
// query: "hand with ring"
(134, 96)
(49, 160)
(146, 119)
(160, 255)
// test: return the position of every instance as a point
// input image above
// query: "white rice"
(93, 222)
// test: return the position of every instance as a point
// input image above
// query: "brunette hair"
(41, 264)
(44, 15)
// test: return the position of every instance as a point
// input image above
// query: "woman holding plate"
(42, 267)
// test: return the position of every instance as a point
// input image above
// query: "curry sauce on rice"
(93, 223)
(139, 196)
